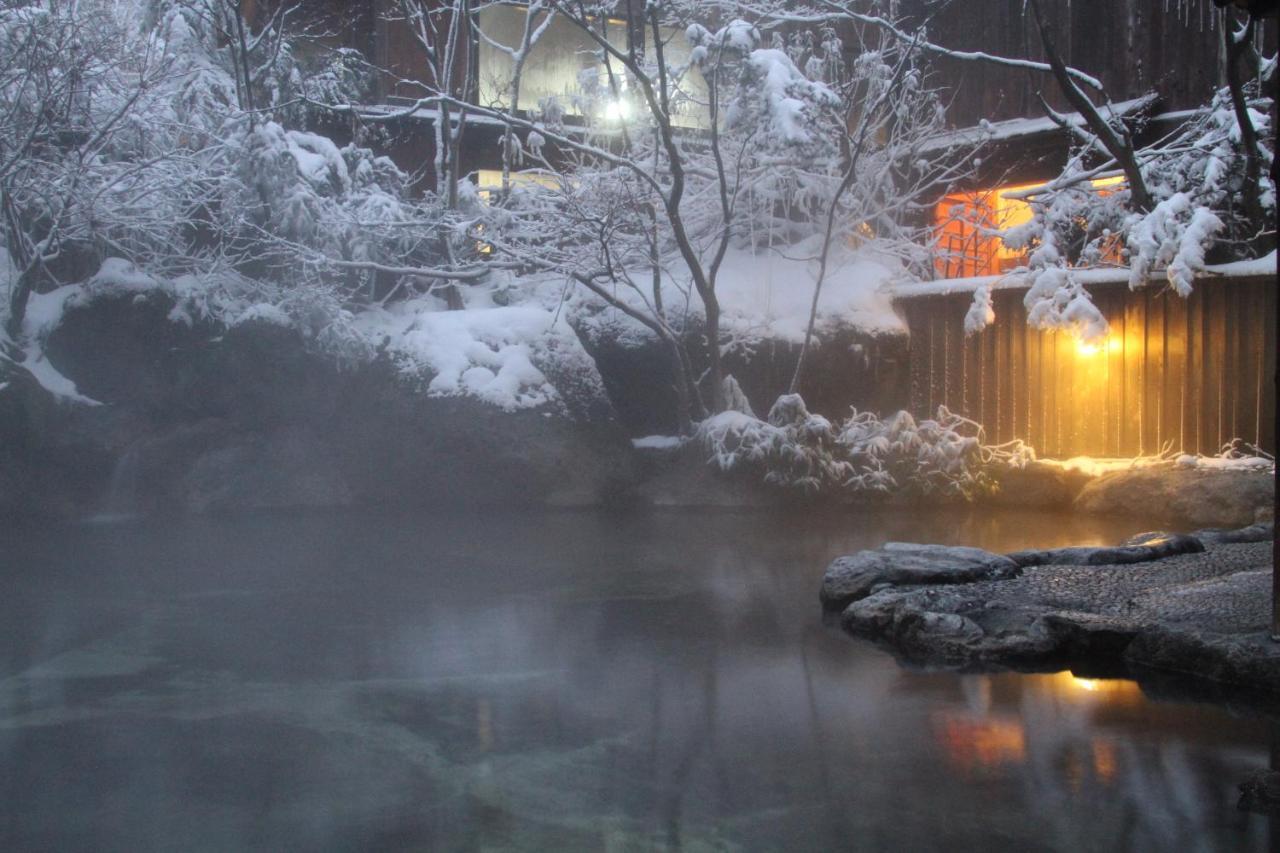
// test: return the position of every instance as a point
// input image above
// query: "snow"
(1019, 128)
(797, 449)
(770, 296)
(786, 93)
(1175, 235)
(1097, 467)
(1225, 463)
(981, 313)
(318, 159)
(1018, 279)
(53, 381)
(489, 353)
(432, 114)
(118, 275)
(657, 442)
(1228, 461)
(765, 296)
(264, 313)
(45, 310)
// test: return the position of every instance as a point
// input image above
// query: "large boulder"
(854, 577)
(1201, 612)
(1150, 547)
(199, 417)
(847, 367)
(1260, 793)
(1198, 498)
(1038, 485)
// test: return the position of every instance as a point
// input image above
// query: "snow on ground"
(490, 353)
(763, 296)
(1227, 462)
(657, 442)
(771, 296)
(1096, 467)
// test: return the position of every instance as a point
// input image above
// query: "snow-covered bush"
(796, 449)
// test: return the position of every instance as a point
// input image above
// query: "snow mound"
(1220, 463)
(763, 297)
(496, 355)
(769, 296)
(657, 442)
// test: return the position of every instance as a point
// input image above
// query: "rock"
(202, 418)
(123, 349)
(850, 578)
(1151, 547)
(1260, 532)
(1035, 485)
(55, 456)
(916, 624)
(1086, 636)
(1202, 613)
(847, 367)
(1250, 659)
(289, 468)
(1260, 793)
(1199, 498)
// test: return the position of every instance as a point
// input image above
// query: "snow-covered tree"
(180, 146)
(709, 138)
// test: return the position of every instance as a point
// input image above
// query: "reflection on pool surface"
(573, 681)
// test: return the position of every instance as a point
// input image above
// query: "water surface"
(565, 681)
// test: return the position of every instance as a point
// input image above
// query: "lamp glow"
(617, 110)
(1087, 349)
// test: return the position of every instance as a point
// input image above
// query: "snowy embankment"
(216, 399)
(500, 355)
(765, 296)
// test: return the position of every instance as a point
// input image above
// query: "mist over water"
(564, 681)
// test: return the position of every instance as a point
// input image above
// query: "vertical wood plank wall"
(1182, 374)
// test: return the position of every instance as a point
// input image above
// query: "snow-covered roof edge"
(1258, 267)
(995, 132)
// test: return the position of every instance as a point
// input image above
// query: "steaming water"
(555, 682)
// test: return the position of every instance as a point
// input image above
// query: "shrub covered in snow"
(796, 449)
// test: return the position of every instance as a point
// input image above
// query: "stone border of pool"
(1195, 605)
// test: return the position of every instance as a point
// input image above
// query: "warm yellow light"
(1088, 684)
(1090, 347)
(1011, 213)
(1087, 349)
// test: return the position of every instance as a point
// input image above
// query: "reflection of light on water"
(1104, 760)
(980, 743)
(1076, 690)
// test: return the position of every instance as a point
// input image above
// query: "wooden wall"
(1133, 46)
(1189, 374)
